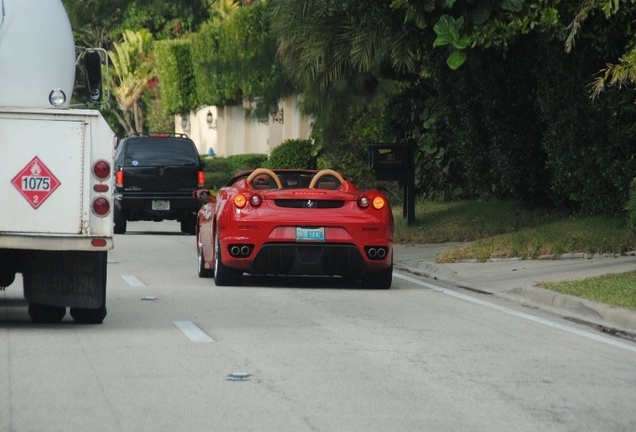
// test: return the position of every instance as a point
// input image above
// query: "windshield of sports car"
(289, 179)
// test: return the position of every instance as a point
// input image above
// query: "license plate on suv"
(310, 234)
(160, 204)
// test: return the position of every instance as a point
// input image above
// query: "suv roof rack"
(159, 135)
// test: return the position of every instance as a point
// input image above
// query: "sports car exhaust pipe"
(240, 251)
(376, 253)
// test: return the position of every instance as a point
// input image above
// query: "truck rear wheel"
(89, 316)
(46, 314)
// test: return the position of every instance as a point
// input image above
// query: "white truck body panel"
(56, 215)
(66, 143)
(40, 33)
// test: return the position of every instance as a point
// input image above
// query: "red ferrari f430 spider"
(295, 222)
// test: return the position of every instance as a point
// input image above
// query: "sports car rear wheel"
(224, 276)
(203, 272)
(379, 279)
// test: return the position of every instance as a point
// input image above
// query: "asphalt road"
(177, 353)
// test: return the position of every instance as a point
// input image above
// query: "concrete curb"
(524, 289)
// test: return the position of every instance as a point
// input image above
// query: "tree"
(624, 71)
(133, 68)
(337, 52)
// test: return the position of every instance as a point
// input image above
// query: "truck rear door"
(42, 166)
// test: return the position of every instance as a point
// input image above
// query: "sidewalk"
(517, 280)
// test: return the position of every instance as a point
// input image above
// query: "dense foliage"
(248, 161)
(294, 153)
(631, 207)
(495, 95)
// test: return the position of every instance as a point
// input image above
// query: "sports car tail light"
(119, 178)
(364, 201)
(378, 202)
(201, 178)
(256, 200)
(101, 206)
(240, 201)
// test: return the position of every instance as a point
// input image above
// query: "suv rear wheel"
(189, 224)
(120, 222)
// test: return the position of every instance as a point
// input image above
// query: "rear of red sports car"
(306, 231)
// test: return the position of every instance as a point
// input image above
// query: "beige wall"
(232, 134)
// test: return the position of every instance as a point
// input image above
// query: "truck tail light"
(201, 179)
(101, 206)
(101, 170)
(119, 178)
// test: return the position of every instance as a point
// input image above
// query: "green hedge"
(295, 153)
(219, 170)
(631, 207)
(248, 161)
(173, 59)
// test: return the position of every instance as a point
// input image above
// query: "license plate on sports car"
(310, 234)
(160, 205)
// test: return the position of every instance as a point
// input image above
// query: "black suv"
(155, 177)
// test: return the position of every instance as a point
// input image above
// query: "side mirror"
(203, 194)
(93, 76)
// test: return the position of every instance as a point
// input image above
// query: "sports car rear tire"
(203, 272)
(379, 279)
(224, 276)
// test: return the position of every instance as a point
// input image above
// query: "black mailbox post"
(396, 162)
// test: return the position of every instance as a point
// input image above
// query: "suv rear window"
(158, 152)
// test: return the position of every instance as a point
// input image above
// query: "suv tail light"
(201, 178)
(119, 178)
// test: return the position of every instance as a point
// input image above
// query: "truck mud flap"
(65, 278)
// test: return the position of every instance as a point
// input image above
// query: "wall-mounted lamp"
(185, 123)
(210, 120)
(278, 116)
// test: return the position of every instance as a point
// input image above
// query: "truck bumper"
(53, 242)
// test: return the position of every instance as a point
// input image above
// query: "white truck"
(56, 163)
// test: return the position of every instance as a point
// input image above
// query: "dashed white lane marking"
(132, 281)
(589, 335)
(194, 333)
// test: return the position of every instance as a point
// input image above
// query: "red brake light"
(101, 170)
(101, 206)
(119, 179)
(201, 179)
(364, 201)
(256, 200)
